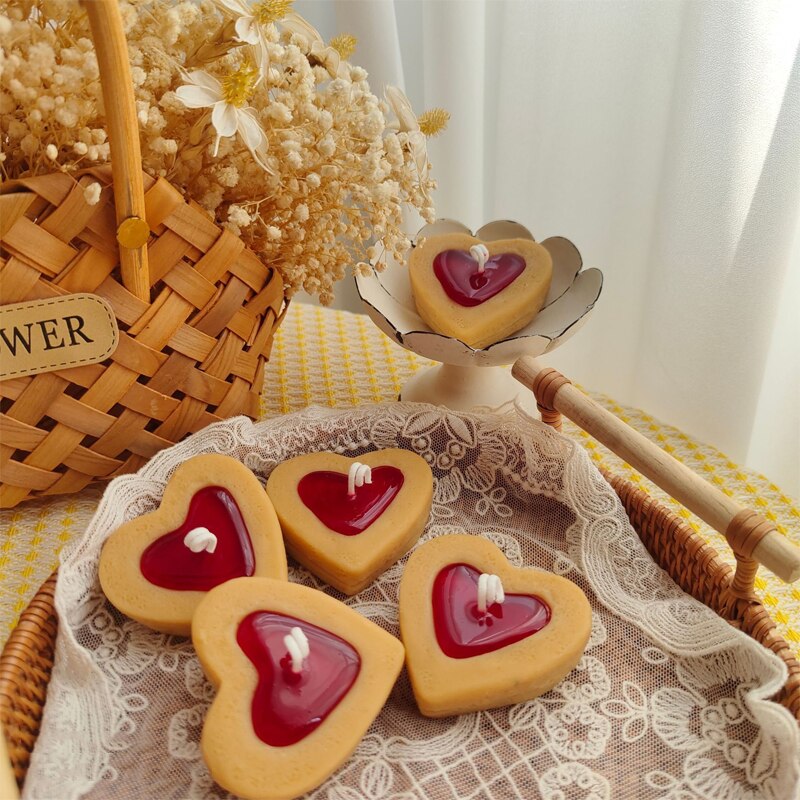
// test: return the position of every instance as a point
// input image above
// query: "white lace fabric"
(669, 702)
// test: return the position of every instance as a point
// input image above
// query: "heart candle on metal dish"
(479, 292)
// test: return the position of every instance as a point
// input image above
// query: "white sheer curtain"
(664, 140)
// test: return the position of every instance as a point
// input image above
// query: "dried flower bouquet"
(241, 106)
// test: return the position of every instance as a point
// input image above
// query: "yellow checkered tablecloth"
(334, 358)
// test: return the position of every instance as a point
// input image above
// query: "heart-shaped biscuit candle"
(480, 633)
(300, 678)
(349, 520)
(479, 292)
(215, 523)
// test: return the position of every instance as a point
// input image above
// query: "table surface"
(338, 359)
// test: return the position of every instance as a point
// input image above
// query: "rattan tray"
(27, 659)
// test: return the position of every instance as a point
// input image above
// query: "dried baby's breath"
(92, 193)
(333, 172)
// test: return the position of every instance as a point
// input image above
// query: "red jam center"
(462, 631)
(287, 706)
(169, 563)
(325, 493)
(458, 274)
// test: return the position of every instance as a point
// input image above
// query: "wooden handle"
(721, 512)
(123, 134)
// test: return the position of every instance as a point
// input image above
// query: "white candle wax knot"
(490, 591)
(200, 539)
(358, 475)
(480, 252)
(297, 645)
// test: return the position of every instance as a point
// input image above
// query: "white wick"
(358, 475)
(480, 253)
(297, 645)
(490, 591)
(200, 539)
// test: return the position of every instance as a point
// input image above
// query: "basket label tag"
(54, 334)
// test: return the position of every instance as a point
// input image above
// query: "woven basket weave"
(195, 331)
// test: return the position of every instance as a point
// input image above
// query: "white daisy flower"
(226, 98)
(250, 23)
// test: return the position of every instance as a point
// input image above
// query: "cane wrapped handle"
(753, 539)
(123, 133)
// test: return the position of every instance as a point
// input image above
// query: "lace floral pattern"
(667, 702)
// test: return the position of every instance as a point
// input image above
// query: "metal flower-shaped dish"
(463, 381)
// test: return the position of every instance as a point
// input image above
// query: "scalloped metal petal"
(567, 263)
(441, 227)
(503, 229)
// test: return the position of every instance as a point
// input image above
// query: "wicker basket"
(27, 658)
(195, 308)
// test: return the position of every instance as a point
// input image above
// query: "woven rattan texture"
(25, 674)
(334, 358)
(192, 356)
(698, 570)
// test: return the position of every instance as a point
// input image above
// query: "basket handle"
(753, 539)
(123, 133)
